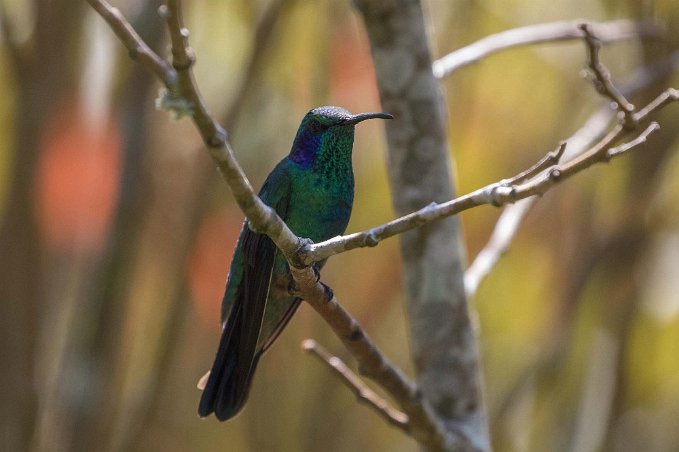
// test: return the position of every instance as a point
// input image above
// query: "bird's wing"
(258, 258)
(229, 381)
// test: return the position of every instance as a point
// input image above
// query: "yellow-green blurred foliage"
(579, 322)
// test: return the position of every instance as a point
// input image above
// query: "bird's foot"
(328, 292)
(293, 288)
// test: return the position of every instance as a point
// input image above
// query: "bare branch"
(638, 141)
(667, 97)
(537, 34)
(594, 127)
(496, 194)
(362, 392)
(601, 77)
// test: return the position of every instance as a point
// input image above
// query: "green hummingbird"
(312, 190)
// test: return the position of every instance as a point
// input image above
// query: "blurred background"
(116, 233)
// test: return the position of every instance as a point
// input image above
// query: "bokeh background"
(116, 232)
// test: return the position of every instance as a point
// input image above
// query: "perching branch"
(496, 194)
(536, 34)
(507, 191)
(362, 392)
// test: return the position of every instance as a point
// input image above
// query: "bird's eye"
(315, 126)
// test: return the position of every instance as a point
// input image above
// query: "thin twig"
(537, 34)
(182, 93)
(578, 143)
(667, 97)
(638, 141)
(552, 158)
(601, 77)
(136, 46)
(362, 392)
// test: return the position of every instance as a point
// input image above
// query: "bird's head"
(327, 130)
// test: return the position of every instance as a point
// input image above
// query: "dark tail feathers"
(229, 381)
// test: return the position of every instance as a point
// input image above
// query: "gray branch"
(541, 33)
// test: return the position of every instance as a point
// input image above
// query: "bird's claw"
(328, 292)
(293, 288)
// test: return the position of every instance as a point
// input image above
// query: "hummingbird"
(312, 190)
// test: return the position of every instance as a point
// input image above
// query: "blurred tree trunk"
(97, 344)
(443, 340)
(43, 70)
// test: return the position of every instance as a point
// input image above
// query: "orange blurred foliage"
(77, 186)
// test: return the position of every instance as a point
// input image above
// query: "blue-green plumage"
(312, 190)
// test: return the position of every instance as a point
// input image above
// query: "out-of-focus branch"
(507, 226)
(13, 48)
(536, 34)
(352, 381)
(503, 234)
(596, 401)
(261, 40)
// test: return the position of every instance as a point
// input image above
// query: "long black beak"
(363, 116)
